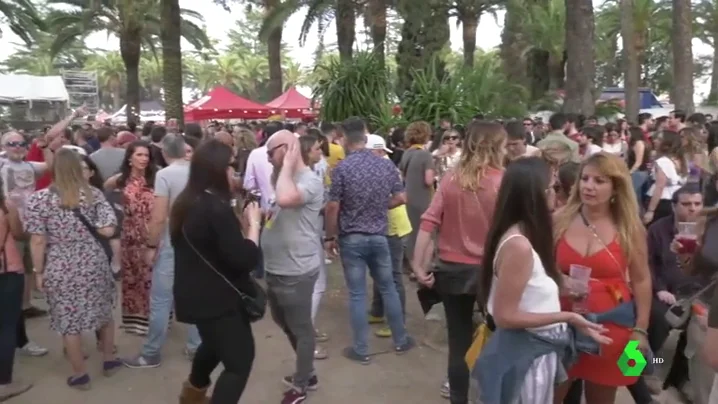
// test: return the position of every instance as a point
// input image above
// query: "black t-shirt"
(157, 156)
(713, 311)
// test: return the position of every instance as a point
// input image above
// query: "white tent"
(149, 111)
(26, 88)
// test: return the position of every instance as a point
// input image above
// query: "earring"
(613, 199)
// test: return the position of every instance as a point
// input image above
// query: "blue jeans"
(396, 251)
(639, 178)
(161, 301)
(12, 287)
(259, 271)
(359, 252)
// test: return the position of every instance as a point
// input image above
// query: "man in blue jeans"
(169, 182)
(364, 188)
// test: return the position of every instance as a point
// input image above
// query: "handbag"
(481, 337)
(254, 306)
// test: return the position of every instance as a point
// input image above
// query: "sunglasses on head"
(271, 151)
(16, 144)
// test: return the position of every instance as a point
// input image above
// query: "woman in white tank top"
(520, 282)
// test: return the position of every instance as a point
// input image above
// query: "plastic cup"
(579, 284)
(688, 237)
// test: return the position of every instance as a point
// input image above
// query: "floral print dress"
(136, 274)
(78, 280)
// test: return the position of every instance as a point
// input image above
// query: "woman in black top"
(214, 255)
(639, 154)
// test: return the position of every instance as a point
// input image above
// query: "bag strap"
(600, 240)
(184, 234)
(92, 229)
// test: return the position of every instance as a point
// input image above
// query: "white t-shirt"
(18, 180)
(593, 149)
(675, 180)
(615, 148)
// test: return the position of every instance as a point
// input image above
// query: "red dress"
(608, 282)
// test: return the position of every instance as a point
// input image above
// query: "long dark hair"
(95, 180)
(522, 198)
(207, 172)
(126, 170)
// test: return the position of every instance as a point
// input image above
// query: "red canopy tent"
(292, 104)
(221, 103)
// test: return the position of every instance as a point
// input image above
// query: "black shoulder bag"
(255, 306)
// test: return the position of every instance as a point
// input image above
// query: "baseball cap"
(376, 142)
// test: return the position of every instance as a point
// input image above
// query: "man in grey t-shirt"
(291, 251)
(109, 158)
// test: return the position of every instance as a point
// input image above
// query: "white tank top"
(541, 292)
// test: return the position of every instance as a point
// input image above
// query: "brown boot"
(193, 395)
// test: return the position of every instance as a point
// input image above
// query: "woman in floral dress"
(136, 180)
(70, 265)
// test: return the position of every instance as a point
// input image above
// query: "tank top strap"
(501, 244)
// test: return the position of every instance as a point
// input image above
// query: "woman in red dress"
(599, 228)
(136, 180)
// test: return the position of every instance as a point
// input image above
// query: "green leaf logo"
(631, 352)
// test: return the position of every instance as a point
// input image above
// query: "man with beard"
(291, 251)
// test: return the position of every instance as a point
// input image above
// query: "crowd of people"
(546, 230)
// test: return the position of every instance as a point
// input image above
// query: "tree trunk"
(274, 55)
(713, 95)
(556, 72)
(513, 57)
(172, 60)
(130, 48)
(581, 65)
(116, 99)
(346, 25)
(632, 69)
(682, 34)
(377, 28)
(469, 24)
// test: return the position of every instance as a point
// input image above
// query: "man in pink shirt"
(258, 177)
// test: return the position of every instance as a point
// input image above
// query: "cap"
(76, 149)
(376, 142)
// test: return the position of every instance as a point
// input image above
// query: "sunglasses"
(16, 144)
(271, 151)
(451, 138)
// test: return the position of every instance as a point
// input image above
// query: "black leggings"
(459, 322)
(228, 340)
(21, 333)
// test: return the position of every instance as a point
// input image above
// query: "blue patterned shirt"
(363, 184)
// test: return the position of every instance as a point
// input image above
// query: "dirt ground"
(412, 378)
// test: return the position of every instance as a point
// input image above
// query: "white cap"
(376, 142)
(76, 149)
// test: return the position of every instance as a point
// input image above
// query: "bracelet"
(641, 331)
(328, 239)
(37, 271)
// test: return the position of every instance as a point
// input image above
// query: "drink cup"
(579, 277)
(688, 237)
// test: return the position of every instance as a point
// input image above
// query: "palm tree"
(293, 75)
(171, 33)
(682, 55)
(134, 22)
(468, 13)
(152, 79)
(631, 48)
(706, 13)
(545, 27)
(580, 57)
(274, 52)
(111, 74)
(22, 18)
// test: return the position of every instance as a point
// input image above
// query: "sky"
(218, 21)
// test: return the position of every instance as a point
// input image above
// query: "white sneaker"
(32, 349)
